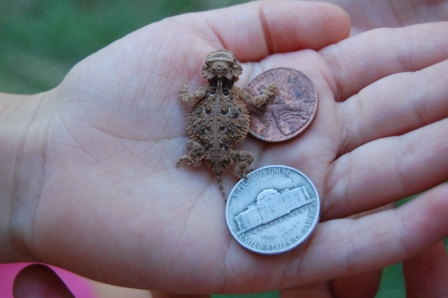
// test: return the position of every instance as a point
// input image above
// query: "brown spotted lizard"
(218, 119)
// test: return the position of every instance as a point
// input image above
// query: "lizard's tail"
(221, 187)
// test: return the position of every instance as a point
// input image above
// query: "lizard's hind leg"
(195, 154)
(245, 158)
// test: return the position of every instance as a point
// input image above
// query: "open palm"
(112, 205)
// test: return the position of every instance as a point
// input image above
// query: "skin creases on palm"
(111, 196)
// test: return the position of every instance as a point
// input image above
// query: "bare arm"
(23, 120)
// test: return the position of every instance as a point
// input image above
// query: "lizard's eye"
(207, 110)
(225, 110)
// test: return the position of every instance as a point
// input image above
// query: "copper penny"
(292, 110)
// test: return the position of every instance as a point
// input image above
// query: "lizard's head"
(222, 64)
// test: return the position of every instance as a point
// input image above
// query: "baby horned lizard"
(219, 120)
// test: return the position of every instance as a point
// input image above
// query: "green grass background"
(40, 40)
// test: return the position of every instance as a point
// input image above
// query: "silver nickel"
(274, 210)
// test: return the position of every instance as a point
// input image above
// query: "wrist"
(24, 120)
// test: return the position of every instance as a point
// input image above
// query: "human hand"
(371, 14)
(108, 203)
(425, 275)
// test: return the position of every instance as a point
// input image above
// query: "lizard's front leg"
(245, 158)
(259, 100)
(193, 97)
(196, 154)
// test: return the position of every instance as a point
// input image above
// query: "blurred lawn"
(40, 40)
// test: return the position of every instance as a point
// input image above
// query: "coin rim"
(299, 131)
(300, 242)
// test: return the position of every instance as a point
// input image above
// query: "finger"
(353, 246)
(39, 281)
(359, 285)
(387, 170)
(392, 14)
(254, 30)
(426, 275)
(345, 287)
(359, 61)
(394, 105)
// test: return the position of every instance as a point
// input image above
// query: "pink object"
(78, 285)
